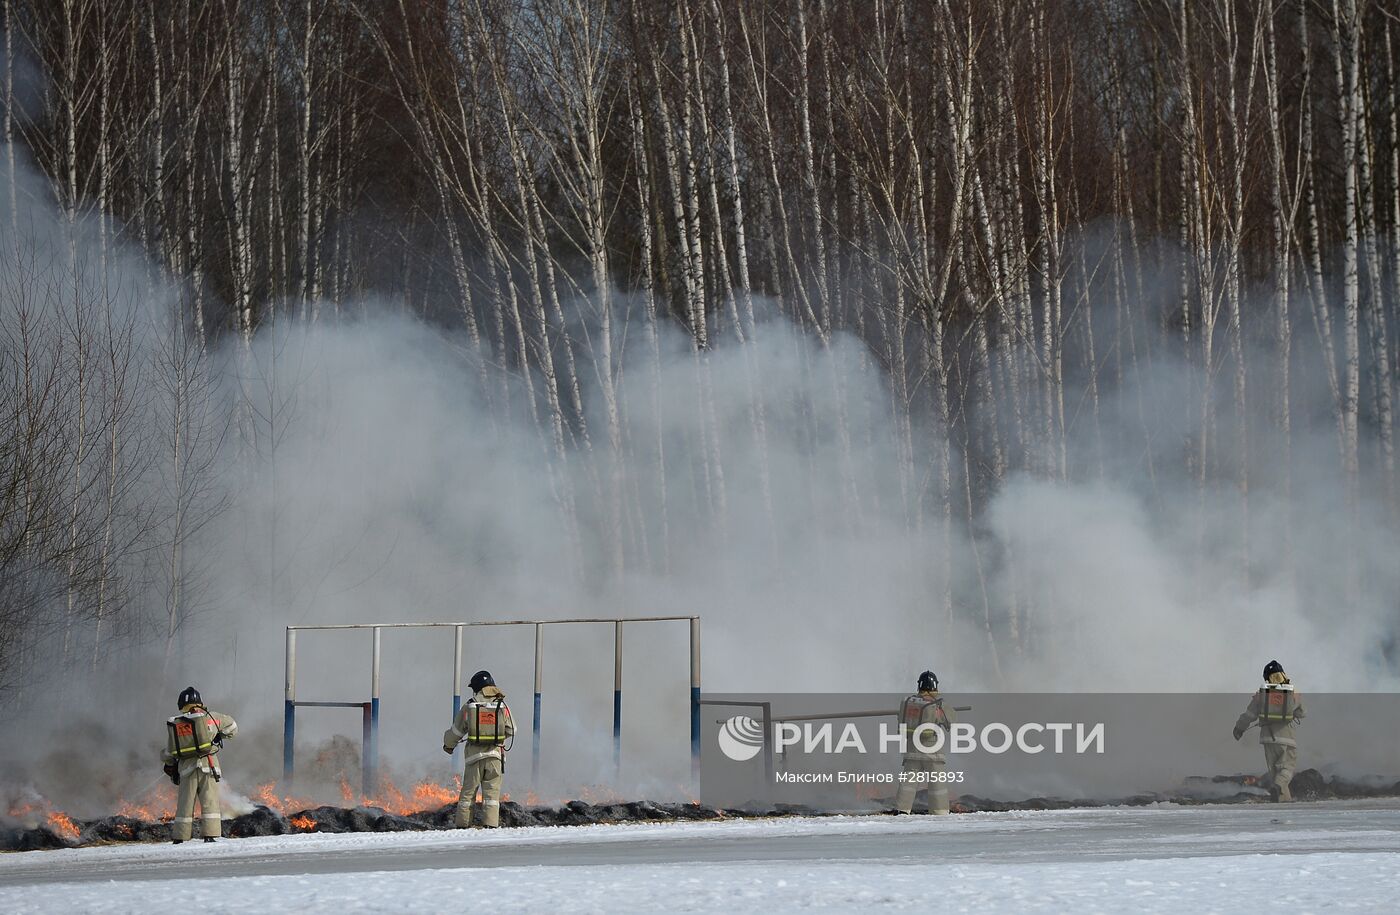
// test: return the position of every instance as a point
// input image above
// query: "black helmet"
(928, 682)
(480, 680)
(189, 696)
(1273, 667)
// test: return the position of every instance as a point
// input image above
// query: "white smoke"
(372, 473)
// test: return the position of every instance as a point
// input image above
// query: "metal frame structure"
(370, 746)
(766, 723)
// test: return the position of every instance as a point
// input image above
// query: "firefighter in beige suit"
(921, 715)
(1278, 708)
(483, 725)
(192, 742)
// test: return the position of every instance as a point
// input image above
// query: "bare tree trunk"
(1190, 193)
(1239, 124)
(1393, 105)
(241, 182)
(1376, 313)
(648, 280)
(1320, 309)
(9, 106)
(1283, 215)
(1345, 36)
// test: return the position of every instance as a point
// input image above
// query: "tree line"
(1022, 209)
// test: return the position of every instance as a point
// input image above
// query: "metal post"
(535, 736)
(372, 770)
(289, 710)
(456, 690)
(366, 750)
(617, 700)
(695, 698)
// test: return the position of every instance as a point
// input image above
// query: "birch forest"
(718, 274)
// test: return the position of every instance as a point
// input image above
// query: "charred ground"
(32, 834)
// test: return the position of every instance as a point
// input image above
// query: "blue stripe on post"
(617, 731)
(374, 740)
(695, 731)
(289, 731)
(456, 708)
(535, 745)
(366, 752)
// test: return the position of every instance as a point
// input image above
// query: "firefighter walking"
(921, 716)
(191, 757)
(1278, 708)
(483, 725)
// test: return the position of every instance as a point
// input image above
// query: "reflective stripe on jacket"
(193, 739)
(920, 710)
(484, 723)
(1277, 708)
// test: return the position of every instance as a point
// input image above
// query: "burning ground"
(32, 824)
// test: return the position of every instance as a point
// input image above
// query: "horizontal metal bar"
(299, 702)
(735, 703)
(599, 619)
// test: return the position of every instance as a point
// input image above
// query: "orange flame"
(35, 810)
(62, 824)
(156, 804)
(424, 796)
(266, 795)
(303, 822)
(428, 796)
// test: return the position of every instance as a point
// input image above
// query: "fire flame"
(266, 795)
(34, 810)
(62, 824)
(156, 805)
(427, 796)
(423, 796)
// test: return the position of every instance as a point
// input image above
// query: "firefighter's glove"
(172, 772)
(1239, 732)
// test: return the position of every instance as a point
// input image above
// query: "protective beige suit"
(192, 745)
(1278, 707)
(483, 725)
(922, 767)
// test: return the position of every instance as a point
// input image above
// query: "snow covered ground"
(1304, 858)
